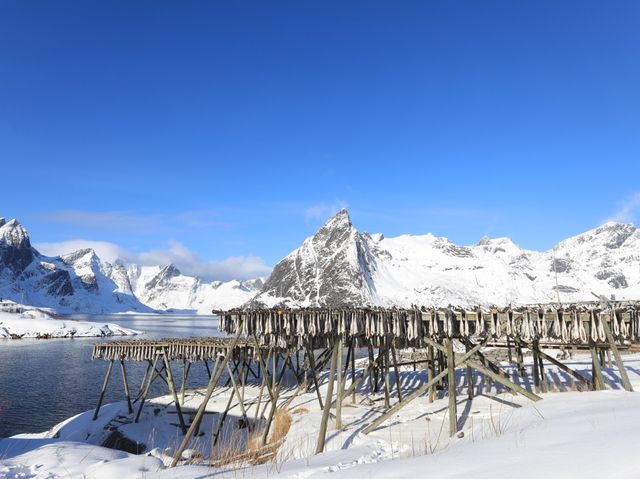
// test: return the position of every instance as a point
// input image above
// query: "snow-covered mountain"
(167, 288)
(80, 282)
(76, 282)
(336, 266)
(341, 266)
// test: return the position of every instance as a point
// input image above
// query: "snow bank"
(39, 324)
(567, 434)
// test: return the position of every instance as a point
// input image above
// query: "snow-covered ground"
(34, 323)
(567, 434)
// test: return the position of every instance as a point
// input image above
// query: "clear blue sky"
(235, 128)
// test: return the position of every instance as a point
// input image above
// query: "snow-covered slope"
(341, 266)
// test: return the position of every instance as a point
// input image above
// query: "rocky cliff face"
(332, 268)
(340, 266)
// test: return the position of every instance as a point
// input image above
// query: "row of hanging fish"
(576, 325)
(188, 349)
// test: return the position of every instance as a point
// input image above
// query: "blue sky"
(219, 130)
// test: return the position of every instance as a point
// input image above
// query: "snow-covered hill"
(341, 266)
(81, 282)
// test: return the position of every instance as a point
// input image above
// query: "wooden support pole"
(536, 373)
(212, 384)
(104, 389)
(535, 348)
(125, 384)
(327, 404)
(616, 354)
(596, 372)
(172, 390)
(153, 374)
(396, 372)
(543, 379)
(469, 377)
(387, 400)
(451, 382)
(353, 370)
(418, 392)
(431, 373)
(505, 382)
(274, 403)
(185, 374)
(236, 390)
(399, 405)
(340, 387)
(144, 381)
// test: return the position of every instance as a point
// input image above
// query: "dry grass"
(300, 410)
(255, 453)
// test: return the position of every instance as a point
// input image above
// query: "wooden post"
(596, 372)
(387, 402)
(543, 380)
(353, 369)
(340, 388)
(431, 373)
(469, 377)
(172, 390)
(536, 374)
(451, 380)
(153, 373)
(212, 384)
(125, 383)
(396, 372)
(104, 388)
(327, 404)
(505, 382)
(418, 392)
(616, 354)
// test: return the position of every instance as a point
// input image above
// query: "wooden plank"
(505, 382)
(616, 354)
(327, 404)
(104, 389)
(451, 383)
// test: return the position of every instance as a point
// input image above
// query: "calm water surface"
(43, 382)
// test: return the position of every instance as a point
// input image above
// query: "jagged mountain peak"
(169, 271)
(331, 268)
(2, 222)
(85, 254)
(13, 234)
(611, 235)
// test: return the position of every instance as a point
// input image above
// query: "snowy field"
(40, 324)
(567, 434)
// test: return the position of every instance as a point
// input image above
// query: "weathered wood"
(340, 387)
(396, 372)
(451, 382)
(399, 405)
(536, 351)
(172, 390)
(616, 354)
(125, 384)
(327, 405)
(387, 400)
(104, 389)
(431, 372)
(505, 382)
(212, 384)
(153, 374)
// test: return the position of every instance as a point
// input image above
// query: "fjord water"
(43, 382)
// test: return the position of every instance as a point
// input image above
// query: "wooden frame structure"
(276, 337)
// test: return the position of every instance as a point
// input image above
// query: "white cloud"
(105, 250)
(323, 211)
(187, 261)
(629, 210)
